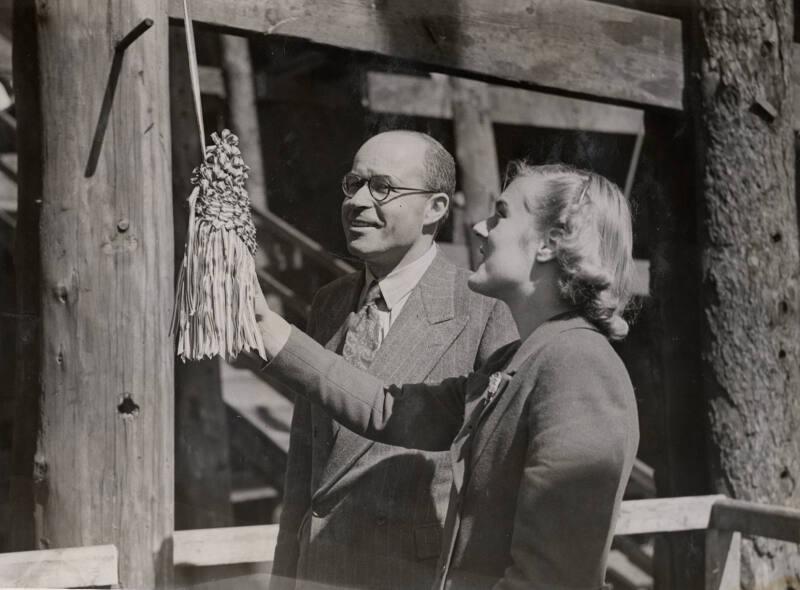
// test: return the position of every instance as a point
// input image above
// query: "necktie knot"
(374, 294)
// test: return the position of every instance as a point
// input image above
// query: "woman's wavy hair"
(595, 250)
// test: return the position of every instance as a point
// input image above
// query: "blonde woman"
(543, 437)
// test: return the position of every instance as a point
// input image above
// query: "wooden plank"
(775, 522)
(625, 575)
(77, 567)
(104, 458)
(476, 155)
(796, 84)
(723, 560)
(271, 226)
(224, 546)
(664, 515)
(212, 81)
(576, 46)
(431, 97)
(243, 112)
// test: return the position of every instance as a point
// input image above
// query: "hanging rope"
(214, 298)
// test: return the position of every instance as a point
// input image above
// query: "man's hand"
(274, 329)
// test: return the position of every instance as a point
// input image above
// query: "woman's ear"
(549, 245)
(436, 209)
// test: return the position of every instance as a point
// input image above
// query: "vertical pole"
(103, 465)
(243, 112)
(723, 560)
(476, 154)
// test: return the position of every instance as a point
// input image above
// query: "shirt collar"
(399, 283)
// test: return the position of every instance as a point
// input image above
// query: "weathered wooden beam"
(104, 459)
(212, 82)
(224, 546)
(75, 567)
(750, 518)
(476, 155)
(575, 46)
(243, 112)
(664, 515)
(723, 566)
(421, 96)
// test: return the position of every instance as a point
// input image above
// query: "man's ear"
(436, 209)
(549, 245)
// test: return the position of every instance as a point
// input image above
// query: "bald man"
(359, 514)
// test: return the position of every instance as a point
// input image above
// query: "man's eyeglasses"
(379, 187)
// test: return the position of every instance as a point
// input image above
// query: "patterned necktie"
(364, 331)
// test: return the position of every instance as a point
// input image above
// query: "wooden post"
(104, 460)
(202, 458)
(750, 262)
(723, 560)
(243, 112)
(476, 154)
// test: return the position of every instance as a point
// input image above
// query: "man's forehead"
(394, 153)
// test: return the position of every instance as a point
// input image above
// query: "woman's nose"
(481, 229)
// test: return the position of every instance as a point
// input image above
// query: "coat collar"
(516, 369)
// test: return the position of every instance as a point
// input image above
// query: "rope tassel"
(214, 311)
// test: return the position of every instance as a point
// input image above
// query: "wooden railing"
(293, 266)
(724, 520)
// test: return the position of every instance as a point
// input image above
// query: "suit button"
(381, 520)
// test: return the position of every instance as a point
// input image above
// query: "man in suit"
(360, 514)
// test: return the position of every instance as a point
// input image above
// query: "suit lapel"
(426, 327)
(330, 331)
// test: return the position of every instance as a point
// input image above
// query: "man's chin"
(477, 282)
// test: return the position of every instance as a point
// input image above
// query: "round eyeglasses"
(379, 187)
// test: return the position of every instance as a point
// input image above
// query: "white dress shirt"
(396, 288)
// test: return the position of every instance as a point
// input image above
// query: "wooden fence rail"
(724, 520)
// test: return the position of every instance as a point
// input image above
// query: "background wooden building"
(689, 107)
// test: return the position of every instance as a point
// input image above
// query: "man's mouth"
(356, 223)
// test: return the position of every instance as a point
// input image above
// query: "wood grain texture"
(76, 567)
(237, 68)
(665, 515)
(476, 156)
(104, 463)
(224, 546)
(750, 333)
(570, 45)
(750, 518)
(723, 560)
(431, 97)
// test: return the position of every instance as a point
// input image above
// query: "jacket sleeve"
(499, 330)
(416, 416)
(583, 437)
(296, 498)
(297, 485)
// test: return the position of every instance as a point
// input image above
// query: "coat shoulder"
(336, 288)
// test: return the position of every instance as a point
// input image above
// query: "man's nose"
(481, 229)
(362, 198)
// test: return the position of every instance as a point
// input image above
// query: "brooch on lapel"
(495, 380)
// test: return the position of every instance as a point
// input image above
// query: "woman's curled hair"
(594, 250)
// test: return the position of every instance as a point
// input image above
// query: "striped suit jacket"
(542, 440)
(360, 514)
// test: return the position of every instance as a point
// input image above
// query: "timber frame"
(577, 48)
